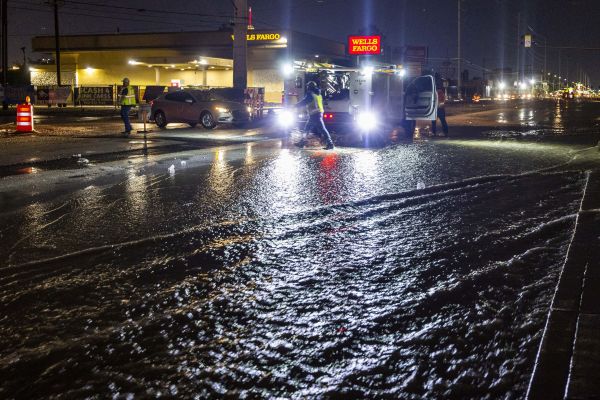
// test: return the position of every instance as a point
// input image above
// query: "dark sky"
(489, 26)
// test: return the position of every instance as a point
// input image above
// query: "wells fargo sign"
(259, 37)
(364, 45)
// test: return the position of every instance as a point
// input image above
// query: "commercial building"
(180, 58)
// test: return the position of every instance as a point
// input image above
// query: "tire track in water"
(237, 287)
(409, 199)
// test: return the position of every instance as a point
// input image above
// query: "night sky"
(489, 26)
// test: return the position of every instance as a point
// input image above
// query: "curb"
(568, 360)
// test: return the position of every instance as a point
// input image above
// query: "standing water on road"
(415, 271)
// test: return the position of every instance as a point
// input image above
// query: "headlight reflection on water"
(220, 176)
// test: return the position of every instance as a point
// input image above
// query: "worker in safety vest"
(313, 101)
(441, 111)
(127, 101)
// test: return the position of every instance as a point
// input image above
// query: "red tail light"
(328, 116)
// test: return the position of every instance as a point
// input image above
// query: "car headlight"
(286, 118)
(249, 109)
(366, 120)
(222, 110)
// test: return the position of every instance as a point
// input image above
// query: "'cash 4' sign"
(364, 45)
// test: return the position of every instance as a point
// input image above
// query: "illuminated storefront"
(180, 58)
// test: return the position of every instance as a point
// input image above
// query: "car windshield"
(202, 95)
(218, 94)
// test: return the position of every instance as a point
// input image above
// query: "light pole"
(57, 42)
(4, 42)
(240, 44)
(458, 68)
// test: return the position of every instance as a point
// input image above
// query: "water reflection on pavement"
(418, 270)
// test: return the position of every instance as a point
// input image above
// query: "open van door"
(420, 99)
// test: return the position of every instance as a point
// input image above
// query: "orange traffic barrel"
(25, 116)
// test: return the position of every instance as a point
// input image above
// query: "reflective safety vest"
(316, 106)
(129, 98)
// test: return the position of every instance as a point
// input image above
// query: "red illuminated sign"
(364, 45)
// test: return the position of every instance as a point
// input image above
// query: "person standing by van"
(441, 111)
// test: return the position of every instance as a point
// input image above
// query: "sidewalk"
(36, 149)
(568, 361)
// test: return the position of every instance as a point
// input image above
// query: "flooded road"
(420, 270)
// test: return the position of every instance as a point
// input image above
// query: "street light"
(368, 70)
(287, 69)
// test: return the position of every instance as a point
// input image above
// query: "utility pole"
(518, 46)
(559, 61)
(458, 68)
(4, 42)
(57, 43)
(545, 54)
(240, 44)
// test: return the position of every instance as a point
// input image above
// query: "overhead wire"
(103, 15)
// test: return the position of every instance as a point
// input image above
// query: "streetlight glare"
(287, 69)
(368, 70)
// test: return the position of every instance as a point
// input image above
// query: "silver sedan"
(197, 106)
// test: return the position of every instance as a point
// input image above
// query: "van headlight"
(286, 118)
(366, 120)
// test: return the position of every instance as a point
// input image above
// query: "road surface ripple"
(296, 274)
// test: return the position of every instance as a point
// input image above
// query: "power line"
(162, 12)
(135, 19)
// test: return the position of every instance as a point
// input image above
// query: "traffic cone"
(25, 117)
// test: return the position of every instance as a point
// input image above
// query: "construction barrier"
(25, 116)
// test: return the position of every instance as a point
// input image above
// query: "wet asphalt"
(419, 269)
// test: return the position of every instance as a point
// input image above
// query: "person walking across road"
(127, 101)
(313, 101)
(441, 111)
